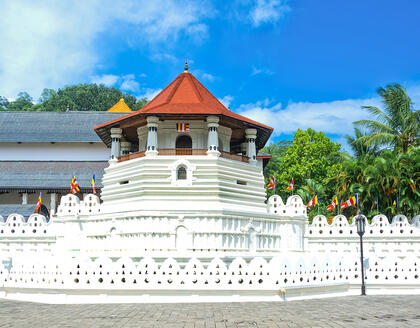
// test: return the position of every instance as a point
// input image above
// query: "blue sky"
(290, 64)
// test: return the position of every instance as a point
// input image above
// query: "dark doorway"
(183, 145)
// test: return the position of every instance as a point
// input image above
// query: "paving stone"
(354, 311)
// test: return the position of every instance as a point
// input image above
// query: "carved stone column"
(251, 136)
(125, 148)
(213, 137)
(152, 140)
(116, 142)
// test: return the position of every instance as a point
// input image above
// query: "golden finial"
(186, 67)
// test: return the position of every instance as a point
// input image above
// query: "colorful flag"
(74, 186)
(271, 184)
(93, 184)
(395, 203)
(292, 183)
(38, 204)
(182, 127)
(350, 202)
(334, 203)
(314, 201)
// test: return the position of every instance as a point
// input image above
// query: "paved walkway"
(355, 311)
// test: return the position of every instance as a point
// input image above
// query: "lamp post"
(360, 223)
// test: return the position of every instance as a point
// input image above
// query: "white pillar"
(125, 148)
(152, 142)
(116, 140)
(213, 137)
(251, 136)
(53, 203)
(25, 198)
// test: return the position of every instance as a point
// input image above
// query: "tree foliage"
(313, 159)
(81, 97)
(395, 127)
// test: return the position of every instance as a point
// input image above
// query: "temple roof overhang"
(185, 98)
(28, 176)
(30, 127)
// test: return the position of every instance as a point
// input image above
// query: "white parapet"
(398, 238)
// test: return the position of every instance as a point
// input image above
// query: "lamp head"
(360, 223)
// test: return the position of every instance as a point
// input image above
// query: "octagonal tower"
(184, 151)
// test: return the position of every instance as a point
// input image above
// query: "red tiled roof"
(185, 95)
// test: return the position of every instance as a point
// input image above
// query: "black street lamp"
(360, 223)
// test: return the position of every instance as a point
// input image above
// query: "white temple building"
(42, 151)
(183, 216)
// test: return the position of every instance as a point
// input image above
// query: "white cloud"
(208, 77)
(226, 100)
(257, 71)
(333, 117)
(150, 93)
(163, 57)
(105, 79)
(268, 11)
(52, 43)
(201, 75)
(129, 83)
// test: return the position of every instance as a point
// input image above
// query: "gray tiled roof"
(24, 210)
(52, 176)
(52, 126)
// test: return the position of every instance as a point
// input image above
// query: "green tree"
(313, 160)
(4, 103)
(397, 126)
(86, 97)
(311, 156)
(359, 147)
(277, 151)
(81, 97)
(23, 102)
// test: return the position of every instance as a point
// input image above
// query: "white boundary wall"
(38, 259)
(398, 238)
(286, 277)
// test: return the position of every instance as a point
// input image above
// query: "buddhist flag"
(292, 183)
(334, 204)
(38, 204)
(350, 202)
(93, 184)
(314, 201)
(183, 127)
(271, 184)
(74, 186)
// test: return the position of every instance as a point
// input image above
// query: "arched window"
(181, 173)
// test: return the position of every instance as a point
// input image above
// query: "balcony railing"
(131, 156)
(234, 157)
(183, 152)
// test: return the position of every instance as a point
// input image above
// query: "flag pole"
(293, 180)
(317, 198)
(275, 182)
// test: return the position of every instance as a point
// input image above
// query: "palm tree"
(309, 189)
(358, 147)
(397, 125)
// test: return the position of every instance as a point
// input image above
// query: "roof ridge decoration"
(120, 107)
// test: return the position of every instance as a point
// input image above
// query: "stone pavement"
(354, 311)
